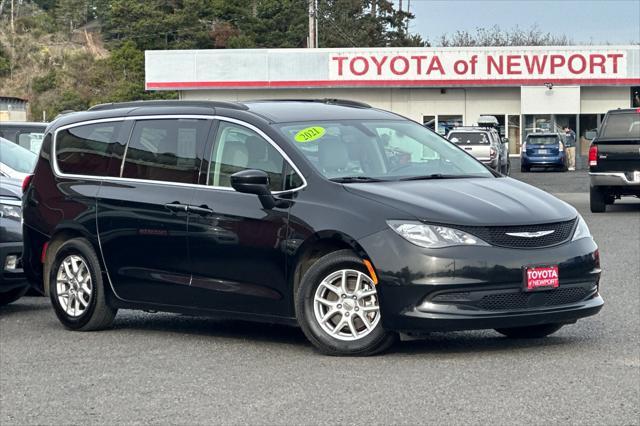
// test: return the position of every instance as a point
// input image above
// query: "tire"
(531, 332)
(12, 295)
(597, 200)
(88, 310)
(345, 342)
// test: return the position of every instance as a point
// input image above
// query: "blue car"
(543, 150)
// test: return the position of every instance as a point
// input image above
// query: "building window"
(588, 129)
(635, 97)
(429, 121)
(447, 122)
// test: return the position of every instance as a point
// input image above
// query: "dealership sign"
(384, 67)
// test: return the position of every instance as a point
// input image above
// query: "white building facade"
(527, 88)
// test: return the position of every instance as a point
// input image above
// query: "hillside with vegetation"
(70, 54)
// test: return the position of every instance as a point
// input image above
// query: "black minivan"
(353, 222)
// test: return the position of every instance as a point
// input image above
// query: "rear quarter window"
(87, 149)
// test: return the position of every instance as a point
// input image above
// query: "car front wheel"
(76, 288)
(338, 308)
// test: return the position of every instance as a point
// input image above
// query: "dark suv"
(353, 222)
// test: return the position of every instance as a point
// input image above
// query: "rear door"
(475, 143)
(237, 248)
(142, 213)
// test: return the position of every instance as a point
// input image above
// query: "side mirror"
(254, 182)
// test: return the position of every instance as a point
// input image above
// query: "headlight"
(582, 230)
(433, 236)
(10, 210)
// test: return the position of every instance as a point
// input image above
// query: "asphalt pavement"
(166, 368)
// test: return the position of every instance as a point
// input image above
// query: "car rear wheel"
(531, 332)
(76, 288)
(338, 308)
(597, 200)
(12, 295)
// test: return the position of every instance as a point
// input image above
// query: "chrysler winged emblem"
(531, 234)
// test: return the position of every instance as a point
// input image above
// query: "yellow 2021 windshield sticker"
(310, 134)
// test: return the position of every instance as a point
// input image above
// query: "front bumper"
(465, 288)
(614, 179)
(11, 278)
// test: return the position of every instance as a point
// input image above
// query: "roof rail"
(168, 103)
(328, 101)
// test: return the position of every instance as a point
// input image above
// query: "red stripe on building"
(177, 85)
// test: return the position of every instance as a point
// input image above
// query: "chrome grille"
(497, 235)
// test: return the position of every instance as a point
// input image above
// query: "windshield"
(542, 140)
(380, 150)
(622, 126)
(18, 158)
(469, 138)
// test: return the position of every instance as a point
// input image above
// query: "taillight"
(593, 155)
(524, 146)
(493, 153)
(26, 182)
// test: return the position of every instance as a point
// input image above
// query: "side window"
(238, 148)
(87, 149)
(166, 150)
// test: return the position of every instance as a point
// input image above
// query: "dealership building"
(527, 89)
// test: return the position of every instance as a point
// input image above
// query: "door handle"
(203, 210)
(176, 207)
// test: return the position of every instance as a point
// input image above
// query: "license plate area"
(543, 151)
(540, 278)
(636, 176)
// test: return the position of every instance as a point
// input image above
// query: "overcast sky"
(598, 22)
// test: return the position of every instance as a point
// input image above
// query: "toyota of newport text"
(353, 223)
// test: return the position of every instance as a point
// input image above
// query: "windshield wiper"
(436, 176)
(355, 179)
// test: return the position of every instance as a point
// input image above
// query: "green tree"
(72, 14)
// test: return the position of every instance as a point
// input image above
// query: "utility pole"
(13, 29)
(313, 24)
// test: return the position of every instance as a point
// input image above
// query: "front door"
(237, 247)
(142, 214)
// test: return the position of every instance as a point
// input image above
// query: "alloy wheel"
(346, 305)
(74, 286)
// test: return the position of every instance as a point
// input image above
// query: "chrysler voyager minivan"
(354, 223)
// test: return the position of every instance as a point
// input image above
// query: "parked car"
(614, 159)
(485, 144)
(16, 162)
(543, 150)
(297, 212)
(26, 134)
(13, 283)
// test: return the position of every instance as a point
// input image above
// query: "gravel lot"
(165, 368)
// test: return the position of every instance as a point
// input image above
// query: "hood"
(474, 201)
